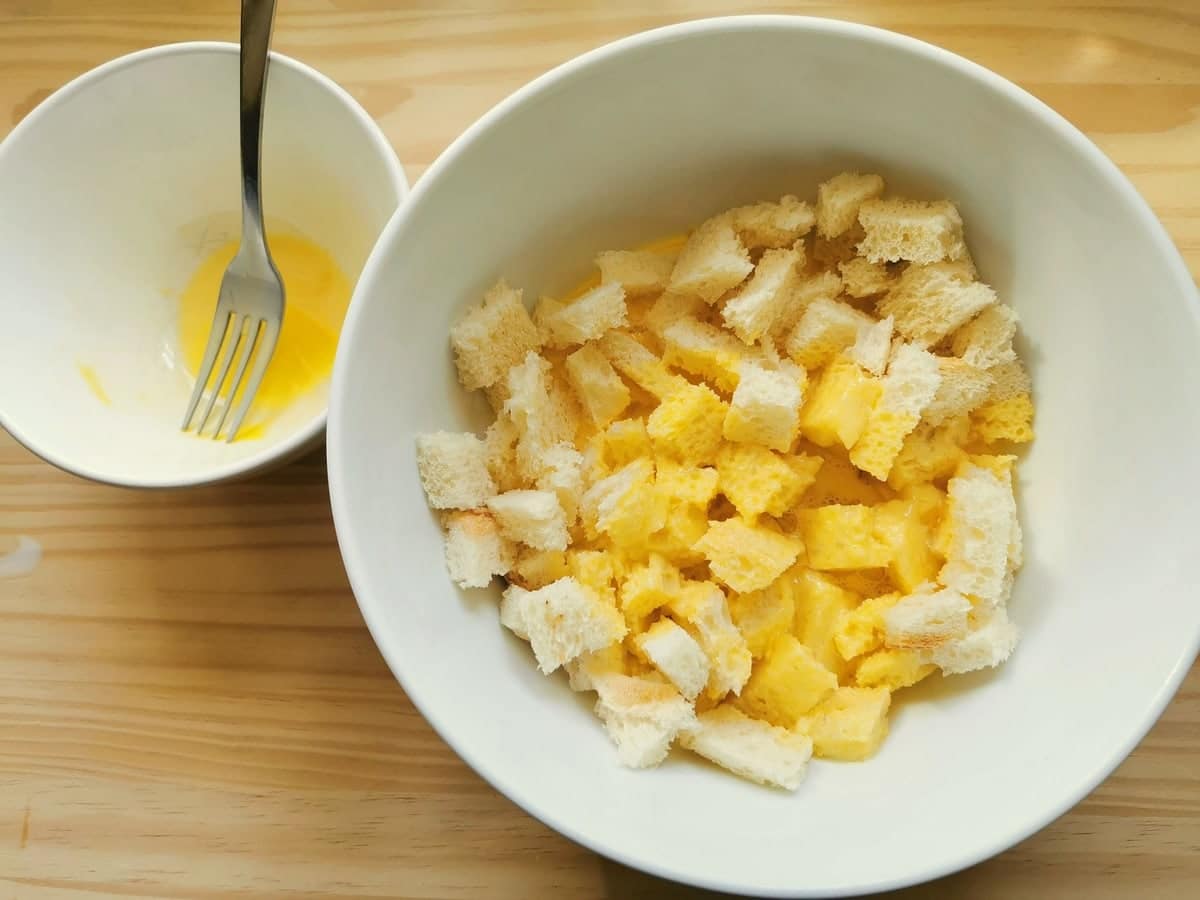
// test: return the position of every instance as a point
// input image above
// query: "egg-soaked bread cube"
(757, 480)
(914, 230)
(1004, 420)
(596, 570)
(840, 198)
(642, 717)
(639, 272)
(701, 607)
(647, 588)
(807, 289)
(892, 669)
(492, 337)
(597, 386)
(826, 328)
(757, 751)
(762, 616)
(500, 441)
(912, 561)
(861, 629)
(535, 569)
(687, 424)
(454, 470)
(839, 482)
(772, 225)
(930, 453)
(713, 261)
(863, 278)
(685, 525)
(564, 620)
(842, 537)
(819, 603)
(755, 308)
(686, 484)
(639, 364)
(850, 724)
(786, 683)
(675, 653)
(747, 557)
(475, 548)
(623, 442)
(625, 505)
(705, 350)
(669, 308)
(839, 404)
(588, 668)
(911, 381)
(765, 408)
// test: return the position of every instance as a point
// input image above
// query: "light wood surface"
(190, 705)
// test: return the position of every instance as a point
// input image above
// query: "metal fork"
(251, 300)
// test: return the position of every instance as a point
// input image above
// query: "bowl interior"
(650, 136)
(114, 190)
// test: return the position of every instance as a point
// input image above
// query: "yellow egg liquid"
(317, 295)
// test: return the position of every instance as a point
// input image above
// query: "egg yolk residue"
(317, 294)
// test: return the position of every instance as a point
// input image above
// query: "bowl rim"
(301, 439)
(338, 451)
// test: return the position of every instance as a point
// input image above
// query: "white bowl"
(113, 190)
(648, 135)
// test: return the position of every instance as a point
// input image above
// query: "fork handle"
(257, 19)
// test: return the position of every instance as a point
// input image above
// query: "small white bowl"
(113, 190)
(643, 137)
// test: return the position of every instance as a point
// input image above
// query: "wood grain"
(190, 705)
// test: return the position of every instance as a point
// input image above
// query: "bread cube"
(512, 610)
(987, 340)
(850, 724)
(840, 198)
(713, 261)
(828, 253)
(702, 608)
(639, 364)
(685, 525)
(839, 404)
(706, 351)
(928, 303)
(588, 318)
(642, 717)
(475, 549)
(454, 470)
(686, 484)
(533, 518)
(839, 538)
(597, 386)
(963, 387)
(819, 603)
(639, 272)
(912, 563)
(892, 669)
(623, 442)
(543, 412)
(687, 424)
(930, 453)
(535, 569)
(873, 346)
(626, 505)
(765, 408)
(564, 620)
(647, 588)
(747, 557)
(500, 443)
(911, 381)
(562, 474)
(759, 481)
(840, 483)
(762, 616)
(786, 683)
(826, 328)
(772, 225)
(492, 337)
(596, 570)
(981, 517)
(588, 668)
(1008, 380)
(863, 278)
(756, 306)
(1004, 420)
(918, 231)
(861, 630)
(989, 642)
(926, 619)
(806, 291)
(757, 751)
(668, 308)
(675, 653)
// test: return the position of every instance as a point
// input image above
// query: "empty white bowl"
(647, 136)
(112, 191)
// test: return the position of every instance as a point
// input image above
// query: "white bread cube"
(639, 272)
(919, 231)
(986, 340)
(910, 384)
(675, 653)
(772, 225)
(454, 470)
(542, 410)
(500, 441)
(756, 306)
(873, 346)
(806, 290)
(840, 198)
(475, 548)
(703, 608)
(963, 387)
(492, 337)
(826, 328)
(765, 408)
(930, 302)
(512, 610)
(565, 620)
(713, 261)
(755, 750)
(562, 474)
(598, 387)
(641, 716)
(639, 364)
(1008, 380)
(533, 518)
(981, 513)
(585, 319)
(669, 308)
(586, 669)
(926, 619)
(989, 642)
(863, 278)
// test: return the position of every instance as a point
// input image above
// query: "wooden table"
(190, 705)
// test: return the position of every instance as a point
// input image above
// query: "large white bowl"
(111, 193)
(648, 135)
